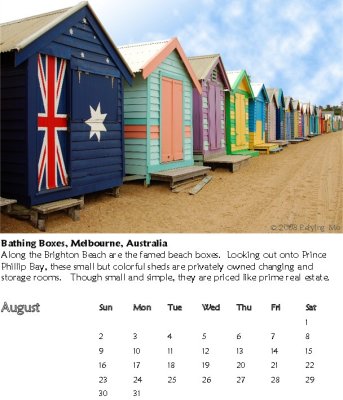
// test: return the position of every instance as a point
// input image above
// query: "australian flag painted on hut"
(62, 107)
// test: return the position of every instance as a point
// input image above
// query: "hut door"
(240, 119)
(259, 121)
(272, 123)
(52, 123)
(214, 117)
(94, 125)
(171, 120)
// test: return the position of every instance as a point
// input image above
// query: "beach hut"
(328, 115)
(322, 121)
(306, 119)
(316, 120)
(296, 111)
(61, 107)
(312, 119)
(301, 121)
(288, 119)
(335, 123)
(257, 119)
(339, 122)
(237, 113)
(158, 110)
(280, 114)
(208, 107)
(271, 115)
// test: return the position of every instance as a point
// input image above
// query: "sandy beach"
(297, 190)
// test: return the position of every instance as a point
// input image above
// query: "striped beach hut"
(312, 119)
(301, 121)
(296, 111)
(319, 118)
(271, 115)
(280, 114)
(237, 113)
(289, 119)
(306, 119)
(158, 108)
(327, 121)
(61, 107)
(258, 119)
(316, 120)
(208, 107)
(322, 121)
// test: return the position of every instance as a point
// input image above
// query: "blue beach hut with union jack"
(61, 107)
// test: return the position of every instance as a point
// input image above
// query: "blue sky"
(296, 44)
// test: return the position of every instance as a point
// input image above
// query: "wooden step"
(6, 204)
(40, 212)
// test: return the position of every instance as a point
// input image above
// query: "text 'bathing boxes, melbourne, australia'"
(158, 108)
(61, 107)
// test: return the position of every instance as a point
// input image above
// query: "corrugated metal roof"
(202, 65)
(295, 103)
(256, 87)
(232, 76)
(18, 34)
(271, 92)
(287, 101)
(305, 107)
(137, 55)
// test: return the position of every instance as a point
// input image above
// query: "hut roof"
(288, 103)
(204, 65)
(145, 57)
(18, 34)
(232, 76)
(305, 108)
(257, 87)
(280, 101)
(235, 77)
(272, 93)
(296, 104)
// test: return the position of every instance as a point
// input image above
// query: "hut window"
(214, 75)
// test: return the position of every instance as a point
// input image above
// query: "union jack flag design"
(51, 165)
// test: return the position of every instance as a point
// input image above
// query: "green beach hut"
(237, 113)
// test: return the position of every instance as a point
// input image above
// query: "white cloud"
(295, 44)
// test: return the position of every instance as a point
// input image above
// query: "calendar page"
(170, 317)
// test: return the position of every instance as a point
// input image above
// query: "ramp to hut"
(180, 174)
(266, 147)
(251, 153)
(282, 143)
(296, 140)
(232, 162)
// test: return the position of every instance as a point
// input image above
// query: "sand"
(296, 190)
